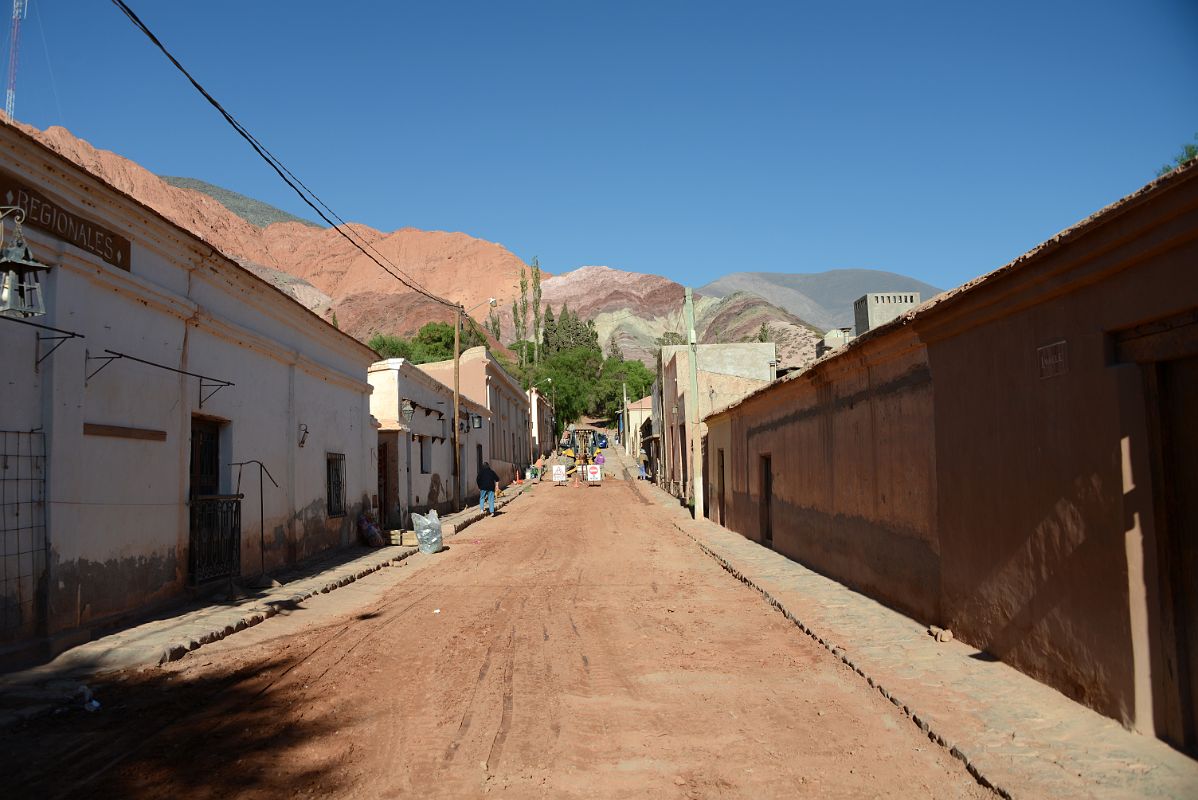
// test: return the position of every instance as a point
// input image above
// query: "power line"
(283, 172)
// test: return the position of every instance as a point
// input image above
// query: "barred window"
(426, 455)
(335, 483)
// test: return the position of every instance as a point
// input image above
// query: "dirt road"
(576, 646)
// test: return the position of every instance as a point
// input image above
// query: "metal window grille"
(22, 533)
(335, 474)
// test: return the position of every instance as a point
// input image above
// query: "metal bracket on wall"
(207, 384)
(88, 358)
(58, 336)
(213, 384)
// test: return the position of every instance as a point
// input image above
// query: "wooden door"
(767, 501)
(205, 458)
(1177, 390)
(719, 477)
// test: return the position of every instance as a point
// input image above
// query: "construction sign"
(594, 473)
(559, 473)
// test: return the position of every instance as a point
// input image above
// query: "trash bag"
(428, 532)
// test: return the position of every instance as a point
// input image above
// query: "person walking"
(487, 481)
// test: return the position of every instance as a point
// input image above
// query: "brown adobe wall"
(851, 445)
(1046, 490)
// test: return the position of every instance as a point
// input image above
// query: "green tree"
(493, 325)
(520, 313)
(1189, 151)
(390, 346)
(765, 334)
(536, 311)
(434, 342)
(334, 321)
(575, 373)
(615, 375)
(548, 332)
(613, 348)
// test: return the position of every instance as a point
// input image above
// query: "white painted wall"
(395, 379)
(117, 517)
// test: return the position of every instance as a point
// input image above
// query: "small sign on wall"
(47, 214)
(1054, 359)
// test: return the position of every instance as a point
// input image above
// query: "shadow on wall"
(161, 734)
(1029, 602)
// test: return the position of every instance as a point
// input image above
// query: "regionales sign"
(47, 214)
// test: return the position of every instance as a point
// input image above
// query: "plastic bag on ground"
(428, 532)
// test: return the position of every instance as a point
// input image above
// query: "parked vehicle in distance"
(602, 440)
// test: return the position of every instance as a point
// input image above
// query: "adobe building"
(484, 380)
(726, 373)
(877, 308)
(636, 414)
(415, 442)
(833, 340)
(145, 376)
(541, 424)
(1014, 460)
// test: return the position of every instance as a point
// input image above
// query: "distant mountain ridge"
(634, 309)
(253, 211)
(319, 269)
(825, 299)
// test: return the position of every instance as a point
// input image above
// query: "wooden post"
(457, 358)
(692, 404)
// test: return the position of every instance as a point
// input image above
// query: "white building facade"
(416, 455)
(127, 447)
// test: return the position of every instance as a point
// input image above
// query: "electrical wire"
(283, 172)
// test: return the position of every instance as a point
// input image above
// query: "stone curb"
(253, 616)
(839, 652)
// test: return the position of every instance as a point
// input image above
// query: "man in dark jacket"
(487, 481)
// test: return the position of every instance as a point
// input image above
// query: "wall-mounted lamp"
(407, 410)
(303, 434)
(476, 421)
(675, 409)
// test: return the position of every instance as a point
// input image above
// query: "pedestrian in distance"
(487, 481)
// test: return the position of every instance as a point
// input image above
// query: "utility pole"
(692, 405)
(627, 428)
(19, 9)
(457, 360)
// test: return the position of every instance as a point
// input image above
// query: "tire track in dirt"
(125, 749)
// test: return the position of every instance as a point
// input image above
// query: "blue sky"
(688, 139)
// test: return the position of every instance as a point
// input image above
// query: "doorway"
(215, 519)
(384, 483)
(1177, 386)
(719, 482)
(767, 502)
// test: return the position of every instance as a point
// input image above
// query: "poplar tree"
(520, 314)
(536, 311)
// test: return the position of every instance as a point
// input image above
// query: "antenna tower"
(19, 9)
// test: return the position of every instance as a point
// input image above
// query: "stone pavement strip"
(1015, 734)
(41, 689)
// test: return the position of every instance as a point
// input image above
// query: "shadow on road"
(160, 734)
